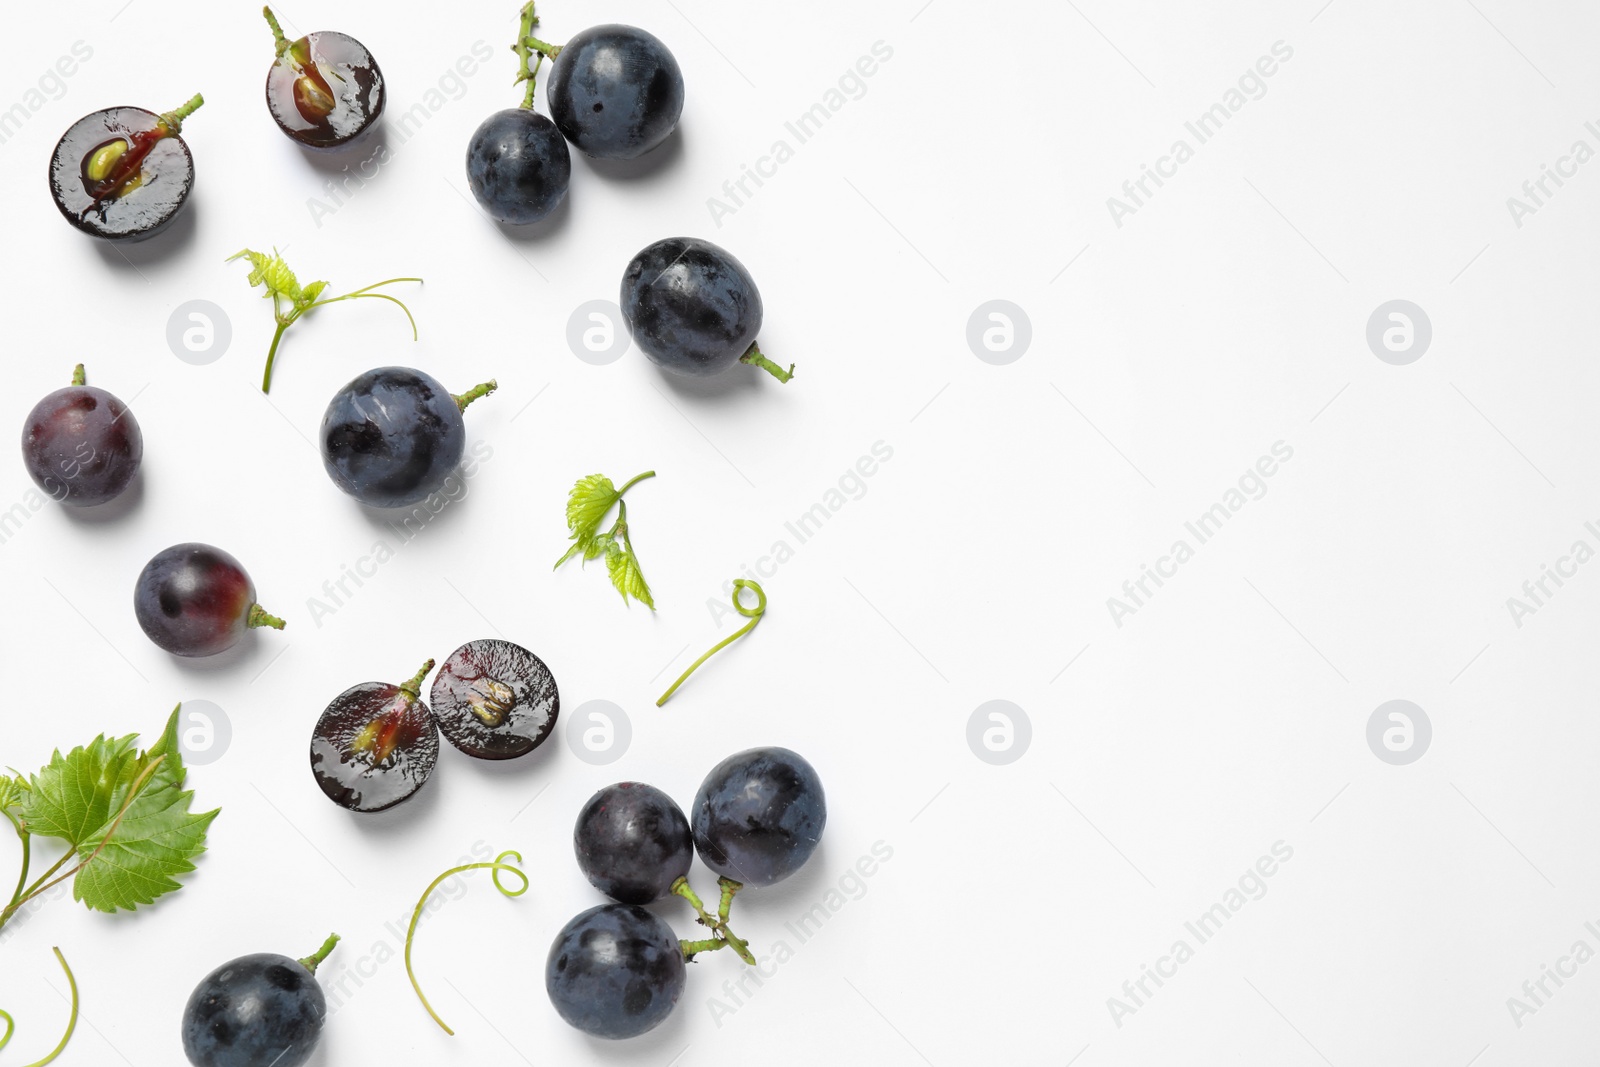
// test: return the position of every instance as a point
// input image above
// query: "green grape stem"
(477, 392)
(173, 120)
(312, 961)
(279, 42)
(413, 688)
(526, 47)
(717, 924)
(691, 949)
(78, 375)
(754, 358)
(259, 616)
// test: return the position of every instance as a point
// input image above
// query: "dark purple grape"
(495, 700)
(615, 91)
(375, 745)
(123, 172)
(196, 600)
(633, 842)
(261, 1010)
(393, 435)
(694, 309)
(81, 445)
(615, 971)
(518, 166)
(759, 815)
(324, 90)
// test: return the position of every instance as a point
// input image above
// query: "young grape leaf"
(126, 815)
(623, 566)
(587, 504)
(272, 273)
(11, 790)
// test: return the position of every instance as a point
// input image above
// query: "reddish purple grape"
(375, 745)
(495, 700)
(81, 445)
(196, 600)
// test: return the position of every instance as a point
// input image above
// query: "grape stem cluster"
(721, 937)
(526, 48)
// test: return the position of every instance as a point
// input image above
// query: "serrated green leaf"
(623, 566)
(311, 293)
(71, 797)
(134, 859)
(591, 497)
(155, 842)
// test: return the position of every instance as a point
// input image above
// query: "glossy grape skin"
(81, 446)
(518, 166)
(615, 971)
(362, 777)
(691, 307)
(487, 680)
(262, 1010)
(142, 212)
(759, 815)
(615, 91)
(633, 842)
(392, 436)
(194, 600)
(357, 86)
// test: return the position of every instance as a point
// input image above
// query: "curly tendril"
(753, 614)
(497, 867)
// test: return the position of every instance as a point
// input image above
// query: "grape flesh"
(616, 92)
(374, 746)
(518, 166)
(262, 1010)
(194, 600)
(633, 842)
(325, 91)
(138, 210)
(759, 815)
(81, 446)
(392, 436)
(615, 971)
(495, 700)
(691, 307)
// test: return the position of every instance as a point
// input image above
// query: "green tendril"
(72, 1019)
(497, 866)
(753, 614)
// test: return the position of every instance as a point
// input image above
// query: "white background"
(1168, 754)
